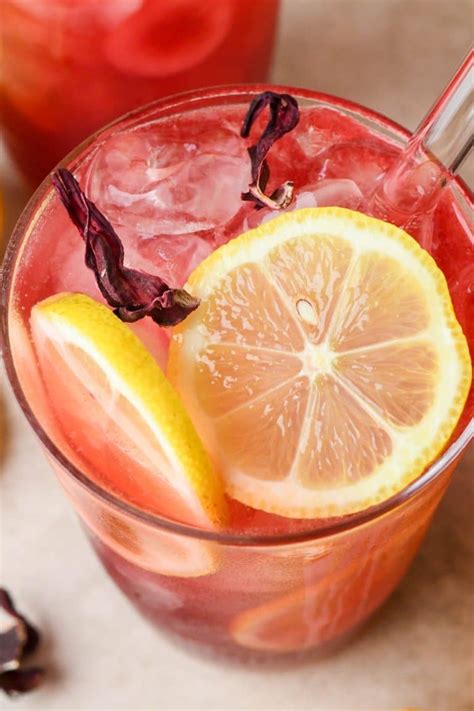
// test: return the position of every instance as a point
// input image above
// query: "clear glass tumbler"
(228, 591)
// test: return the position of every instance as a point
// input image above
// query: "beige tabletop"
(394, 56)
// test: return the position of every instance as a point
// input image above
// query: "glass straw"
(410, 189)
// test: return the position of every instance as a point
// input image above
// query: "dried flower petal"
(12, 642)
(18, 638)
(20, 681)
(132, 292)
(284, 116)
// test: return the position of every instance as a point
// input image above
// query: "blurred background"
(69, 66)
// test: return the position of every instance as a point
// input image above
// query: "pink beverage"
(169, 178)
(71, 66)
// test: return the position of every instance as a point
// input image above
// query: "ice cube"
(154, 181)
(325, 193)
(303, 199)
(363, 161)
(172, 257)
(320, 128)
(333, 193)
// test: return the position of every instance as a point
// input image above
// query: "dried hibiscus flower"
(132, 292)
(284, 116)
(18, 638)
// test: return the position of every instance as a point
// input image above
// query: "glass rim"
(342, 524)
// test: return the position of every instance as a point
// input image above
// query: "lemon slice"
(307, 616)
(148, 547)
(123, 417)
(330, 606)
(324, 368)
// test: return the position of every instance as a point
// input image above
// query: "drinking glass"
(231, 592)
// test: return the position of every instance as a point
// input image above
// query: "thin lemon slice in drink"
(324, 368)
(325, 609)
(122, 416)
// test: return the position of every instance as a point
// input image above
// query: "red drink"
(169, 178)
(70, 66)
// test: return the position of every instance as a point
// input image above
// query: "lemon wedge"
(120, 412)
